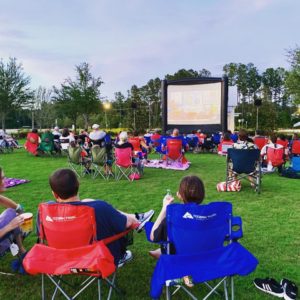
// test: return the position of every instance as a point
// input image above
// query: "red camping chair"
(260, 141)
(124, 166)
(284, 143)
(275, 156)
(224, 146)
(296, 147)
(70, 233)
(135, 142)
(174, 151)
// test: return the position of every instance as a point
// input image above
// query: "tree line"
(79, 100)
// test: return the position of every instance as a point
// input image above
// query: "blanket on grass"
(162, 164)
(10, 182)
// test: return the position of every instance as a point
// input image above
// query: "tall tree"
(14, 88)
(80, 96)
(293, 77)
(253, 81)
(182, 74)
(42, 109)
(273, 84)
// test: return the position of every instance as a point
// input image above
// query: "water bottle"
(168, 194)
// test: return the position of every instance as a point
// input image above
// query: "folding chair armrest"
(117, 236)
(236, 228)
(148, 228)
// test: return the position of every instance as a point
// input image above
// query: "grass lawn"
(270, 220)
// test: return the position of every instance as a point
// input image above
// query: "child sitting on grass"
(191, 190)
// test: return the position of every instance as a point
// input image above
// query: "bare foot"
(155, 253)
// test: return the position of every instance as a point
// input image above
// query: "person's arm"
(8, 203)
(14, 223)
(167, 200)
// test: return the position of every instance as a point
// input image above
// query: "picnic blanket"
(162, 164)
(10, 182)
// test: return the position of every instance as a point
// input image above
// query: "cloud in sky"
(129, 42)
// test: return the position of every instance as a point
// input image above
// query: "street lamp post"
(149, 114)
(106, 106)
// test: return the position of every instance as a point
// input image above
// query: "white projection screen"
(194, 104)
(197, 103)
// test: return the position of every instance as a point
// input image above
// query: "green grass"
(270, 220)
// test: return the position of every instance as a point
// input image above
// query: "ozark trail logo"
(187, 215)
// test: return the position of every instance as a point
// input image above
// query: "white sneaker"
(126, 258)
(144, 218)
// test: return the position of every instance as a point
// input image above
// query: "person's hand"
(19, 209)
(16, 222)
(168, 199)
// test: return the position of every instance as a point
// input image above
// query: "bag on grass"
(134, 176)
(233, 186)
(290, 173)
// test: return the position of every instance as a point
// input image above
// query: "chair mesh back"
(260, 141)
(74, 154)
(174, 148)
(296, 147)
(66, 226)
(98, 155)
(135, 142)
(275, 156)
(123, 157)
(195, 228)
(243, 160)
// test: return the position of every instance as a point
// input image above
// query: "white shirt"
(65, 145)
(97, 135)
(270, 145)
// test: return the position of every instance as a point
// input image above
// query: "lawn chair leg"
(225, 289)
(214, 289)
(60, 289)
(99, 288)
(168, 293)
(211, 288)
(232, 288)
(112, 283)
(55, 291)
(189, 293)
(43, 287)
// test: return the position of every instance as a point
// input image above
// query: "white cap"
(95, 126)
(56, 128)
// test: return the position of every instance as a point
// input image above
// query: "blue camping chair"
(244, 163)
(206, 248)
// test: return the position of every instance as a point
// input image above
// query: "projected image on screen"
(194, 104)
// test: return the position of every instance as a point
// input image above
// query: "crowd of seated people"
(7, 142)
(142, 144)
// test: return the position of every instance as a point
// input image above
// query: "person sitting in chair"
(10, 220)
(191, 190)
(244, 142)
(274, 145)
(65, 185)
(97, 136)
(65, 139)
(32, 142)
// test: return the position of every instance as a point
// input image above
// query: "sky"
(129, 42)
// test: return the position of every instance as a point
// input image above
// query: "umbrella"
(297, 124)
